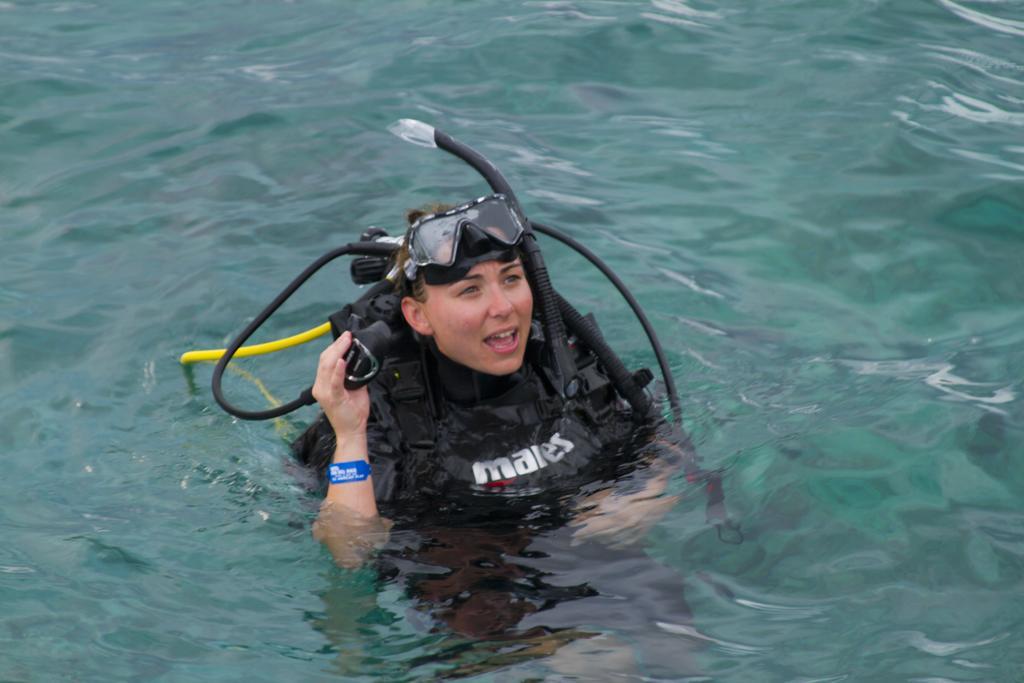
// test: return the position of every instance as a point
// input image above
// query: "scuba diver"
(464, 401)
(462, 413)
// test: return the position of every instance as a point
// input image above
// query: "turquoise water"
(819, 204)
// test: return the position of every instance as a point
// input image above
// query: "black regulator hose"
(563, 364)
(620, 376)
(659, 353)
(306, 397)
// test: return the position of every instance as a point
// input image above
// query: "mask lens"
(434, 241)
(496, 219)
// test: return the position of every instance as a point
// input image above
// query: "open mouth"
(503, 342)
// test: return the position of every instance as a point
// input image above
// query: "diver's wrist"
(350, 446)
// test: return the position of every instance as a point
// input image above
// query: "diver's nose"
(500, 304)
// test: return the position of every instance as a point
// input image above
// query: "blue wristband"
(348, 472)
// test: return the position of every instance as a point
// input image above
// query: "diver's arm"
(621, 519)
(348, 523)
(623, 514)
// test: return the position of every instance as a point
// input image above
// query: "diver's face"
(481, 321)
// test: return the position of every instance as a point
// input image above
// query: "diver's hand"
(621, 520)
(347, 411)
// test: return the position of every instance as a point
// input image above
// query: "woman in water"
(463, 443)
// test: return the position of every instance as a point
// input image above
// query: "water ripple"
(994, 160)
(782, 612)
(988, 21)
(938, 376)
(265, 72)
(679, 13)
(565, 9)
(978, 111)
(979, 62)
(528, 158)
(690, 283)
(732, 648)
(702, 326)
(922, 642)
(563, 198)
(682, 129)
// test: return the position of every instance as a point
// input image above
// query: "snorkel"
(554, 312)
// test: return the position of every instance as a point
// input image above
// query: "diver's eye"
(466, 291)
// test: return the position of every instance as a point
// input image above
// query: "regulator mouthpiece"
(363, 358)
(416, 132)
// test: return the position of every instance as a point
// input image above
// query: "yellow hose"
(257, 349)
(284, 429)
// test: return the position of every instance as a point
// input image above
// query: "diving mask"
(434, 239)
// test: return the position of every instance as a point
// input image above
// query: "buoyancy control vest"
(524, 440)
